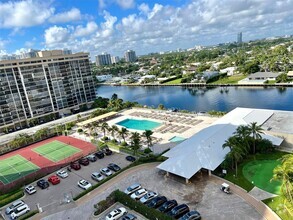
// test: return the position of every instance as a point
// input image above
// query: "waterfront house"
(264, 76)
(290, 75)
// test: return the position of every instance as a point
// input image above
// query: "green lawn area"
(56, 150)
(14, 168)
(230, 80)
(173, 82)
(276, 205)
(241, 180)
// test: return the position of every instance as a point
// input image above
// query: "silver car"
(13, 206)
(131, 189)
(97, 176)
(147, 197)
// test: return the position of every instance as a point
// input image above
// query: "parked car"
(100, 154)
(178, 211)
(106, 171)
(75, 165)
(92, 158)
(114, 167)
(167, 206)
(131, 189)
(130, 158)
(13, 206)
(107, 151)
(84, 161)
(157, 202)
(192, 215)
(19, 211)
(129, 216)
(147, 197)
(30, 189)
(43, 184)
(84, 184)
(62, 173)
(97, 176)
(138, 194)
(116, 213)
(54, 180)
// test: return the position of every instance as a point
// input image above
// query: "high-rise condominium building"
(130, 56)
(115, 59)
(50, 83)
(103, 59)
(239, 38)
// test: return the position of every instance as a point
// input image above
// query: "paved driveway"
(51, 198)
(203, 195)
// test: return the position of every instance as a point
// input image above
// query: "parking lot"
(49, 199)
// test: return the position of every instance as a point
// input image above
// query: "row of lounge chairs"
(172, 128)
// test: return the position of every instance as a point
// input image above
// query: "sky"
(145, 26)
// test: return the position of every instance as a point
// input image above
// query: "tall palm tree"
(135, 142)
(255, 130)
(243, 133)
(123, 132)
(104, 128)
(114, 129)
(148, 135)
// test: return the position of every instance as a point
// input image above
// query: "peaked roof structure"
(204, 149)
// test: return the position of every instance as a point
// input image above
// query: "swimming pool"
(139, 124)
(177, 138)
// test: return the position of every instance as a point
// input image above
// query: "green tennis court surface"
(56, 150)
(260, 173)
(14, 168)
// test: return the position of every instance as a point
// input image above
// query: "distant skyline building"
(239, 38)
(130, 56)
(103, 59)
(115, 59)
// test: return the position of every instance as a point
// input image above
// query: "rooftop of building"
(264, 74)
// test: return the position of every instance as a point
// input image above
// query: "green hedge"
(138, 162)
(29, 214)
(10, 197)
(149, 213)
(170, 79)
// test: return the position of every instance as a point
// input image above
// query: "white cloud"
(63, 17)
(25, 13)
(56, 35)
(90, 28)
(126, 3)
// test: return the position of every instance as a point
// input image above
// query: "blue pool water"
(139, 124)
(177, 138)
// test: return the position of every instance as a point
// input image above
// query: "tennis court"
(15, 167)
(260, 173)
(56, 150)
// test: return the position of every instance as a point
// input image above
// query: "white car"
(62, 173)
(116, 213)
(138, 194)
(147, 197)
(131, 189)
(97, 176)
(84, 184)
(13, 206)
(19, 211)
(106, 171)
(30, 189)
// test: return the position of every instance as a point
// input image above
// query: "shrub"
(105, 204)
(79, 130)
(105, 138)
(10, 197)
(124, 144)
(147, 150)
(28, 215)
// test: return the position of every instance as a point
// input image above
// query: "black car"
(84, 161)
(114, 167)
(156, 202)
(100, 154)
(192, 215)
(107, 151)
(129, 216)
(167, 206)
(130, 158)
(43, 184)
(178, 211)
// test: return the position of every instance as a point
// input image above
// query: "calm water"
(204, 99)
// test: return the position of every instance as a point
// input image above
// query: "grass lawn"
(56, 150)
(173, 82)
(230, 80)
(241, 180)
(276, 205)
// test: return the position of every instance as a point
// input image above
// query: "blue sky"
(145, 26)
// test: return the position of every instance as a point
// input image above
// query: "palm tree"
(255, 130)
(243, 133)
(123, 132)
(148, 135)
(104, 128)
(135, 142)
(114, 129)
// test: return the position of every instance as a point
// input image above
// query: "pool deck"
(187, 124)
